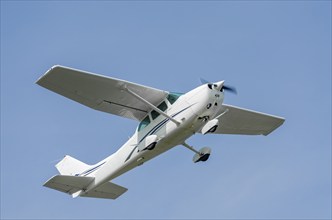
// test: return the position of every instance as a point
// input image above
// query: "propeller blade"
(230, 89)
(204, 81)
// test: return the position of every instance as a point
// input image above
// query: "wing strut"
(190, 148)
(152, 106)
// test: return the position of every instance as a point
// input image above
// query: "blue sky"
(277, 54)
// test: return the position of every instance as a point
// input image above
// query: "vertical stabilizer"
(71, 166)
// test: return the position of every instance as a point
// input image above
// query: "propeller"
(230, 89)
(204, 81)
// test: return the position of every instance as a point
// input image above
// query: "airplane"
(166, 119)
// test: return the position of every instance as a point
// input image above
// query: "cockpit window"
(144, 123)
(173, 96)
(162, 107)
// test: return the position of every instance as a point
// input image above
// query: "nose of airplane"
(218, 85)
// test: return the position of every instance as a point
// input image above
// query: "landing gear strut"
(201, 155)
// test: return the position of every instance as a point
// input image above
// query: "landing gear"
(201, 155)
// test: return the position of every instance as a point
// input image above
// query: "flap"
(244, 121)
(101, 92)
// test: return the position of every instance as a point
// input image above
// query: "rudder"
(71, 166)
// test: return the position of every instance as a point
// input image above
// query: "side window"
(144, 123)
(154, 114)
(162, 107)
(172, 97)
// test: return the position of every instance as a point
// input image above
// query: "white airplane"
(166, 120)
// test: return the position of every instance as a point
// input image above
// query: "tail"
(72, 183)
(71, 166)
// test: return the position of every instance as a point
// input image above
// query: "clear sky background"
(276, 53)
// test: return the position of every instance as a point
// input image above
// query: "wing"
(101, 92)
(243, 121)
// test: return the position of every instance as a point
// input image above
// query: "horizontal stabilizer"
(68, 184)
(75, 185)
(106, 191)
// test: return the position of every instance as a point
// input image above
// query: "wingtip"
(39, 80)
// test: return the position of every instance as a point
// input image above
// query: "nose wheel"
(202, 155)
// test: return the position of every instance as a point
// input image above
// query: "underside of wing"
(101, 92)
(237, 120)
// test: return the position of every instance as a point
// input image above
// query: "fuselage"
(193, 110)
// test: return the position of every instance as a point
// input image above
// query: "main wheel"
(203, 156)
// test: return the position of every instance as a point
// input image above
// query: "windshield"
(173, 96)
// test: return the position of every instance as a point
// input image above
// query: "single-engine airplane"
(166, 120)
